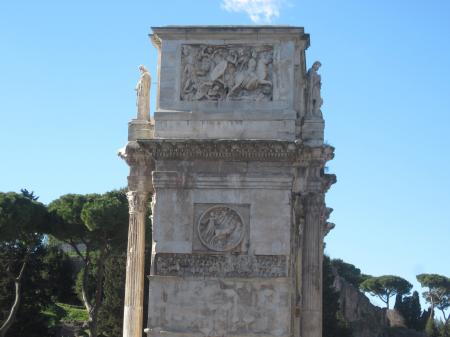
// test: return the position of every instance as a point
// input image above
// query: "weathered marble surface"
(235, 163)
(174, 228)
(231, 83)
(219, 307)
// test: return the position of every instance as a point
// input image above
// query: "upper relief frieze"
(226, 72)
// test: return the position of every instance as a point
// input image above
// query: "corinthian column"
(134, 284)
(140, 186)
(311, 321)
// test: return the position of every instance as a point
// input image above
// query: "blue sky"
(68, 70)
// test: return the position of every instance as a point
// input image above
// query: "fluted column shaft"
(134, 284)
(311, 321)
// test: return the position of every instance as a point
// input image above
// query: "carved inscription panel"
(226, 72)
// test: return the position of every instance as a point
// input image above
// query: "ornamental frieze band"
(202, 265)
(235, 150)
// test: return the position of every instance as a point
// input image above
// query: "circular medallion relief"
(220, 228)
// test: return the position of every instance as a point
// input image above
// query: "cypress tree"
(409, 307)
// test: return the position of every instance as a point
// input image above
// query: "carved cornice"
(135, 155)
(326, 228)
(236, 150)
(141, 166)
(328, 180)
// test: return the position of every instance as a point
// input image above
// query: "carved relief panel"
(221, 227)
(226, 72)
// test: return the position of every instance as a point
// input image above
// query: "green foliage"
(21, 219)
(59, 271)
(24, 289)
(59, 313)
(433, 280)
(409, 307)
(111, 312)
(66, 224)
(349, 272)
(386, 286)
(334, 324)
(90, 284)
(73, 313)
(438, 293)
(431, 329)
(100, 222)
(36, 294)
(106, 217)
(444, 329)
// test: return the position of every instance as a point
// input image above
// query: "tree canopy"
(23, 220)
(349, 272)
(438, 293)
(386, 286)
(100, 223)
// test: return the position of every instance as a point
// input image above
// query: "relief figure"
(226, 72)
(220, 228)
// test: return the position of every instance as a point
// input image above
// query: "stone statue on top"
(313, 85)
(143, 94)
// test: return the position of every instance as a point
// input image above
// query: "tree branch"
(15, 307)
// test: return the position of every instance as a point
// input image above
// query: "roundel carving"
(220, 228)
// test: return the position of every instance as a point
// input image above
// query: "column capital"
(315, 203)
(137, 201)
(142, 163)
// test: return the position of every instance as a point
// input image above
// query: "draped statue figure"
(313, 99)
(143, 94)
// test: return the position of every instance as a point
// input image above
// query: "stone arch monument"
(234, 166)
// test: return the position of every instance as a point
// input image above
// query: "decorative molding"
(173, 179)
(230, 265)
(236, 150)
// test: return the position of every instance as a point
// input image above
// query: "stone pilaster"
(311, 316)
(134, 284)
